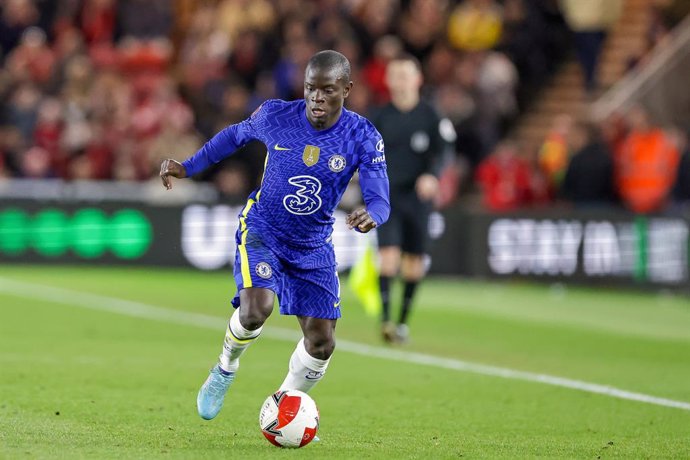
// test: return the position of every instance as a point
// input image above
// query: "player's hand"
(360, 219)
(171, 168)
(426, 187)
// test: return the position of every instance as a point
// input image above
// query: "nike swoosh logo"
(277, 147)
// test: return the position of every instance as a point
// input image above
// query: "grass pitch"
(91, 371)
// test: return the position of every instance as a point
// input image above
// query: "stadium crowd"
(104, 89)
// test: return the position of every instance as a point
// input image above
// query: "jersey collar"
(305, 121)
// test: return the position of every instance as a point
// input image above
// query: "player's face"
(325, 94)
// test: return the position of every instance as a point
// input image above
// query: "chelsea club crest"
(263, 270)
(336, 163)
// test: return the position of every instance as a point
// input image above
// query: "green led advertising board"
(89, 233)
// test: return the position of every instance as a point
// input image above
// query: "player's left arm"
(373, 180)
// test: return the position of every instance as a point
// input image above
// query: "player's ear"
(346, 89)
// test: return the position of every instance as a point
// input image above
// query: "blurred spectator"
(97, 21)
(15, 17)
(4, 171)
(235, 101)
(80, 168)
(22, 109)
(525, 39)
(68, 47)
(96, 161)
(589, 178)
(48, 133)
(176, 140)
(35, 164)
(475, 25)
(439, 65)
(204, 50)
(497, 81)
(421, 24)
(505, 179)
(236, 16)
(613, 132)
(144, 19)
(136, 57)
(10, 147)
(681, 188)
(32, 60)
(553, 154)
(658, 30)
(590, 21)
(647, 165)
(265, 89)
(373, 19)
(246, 57)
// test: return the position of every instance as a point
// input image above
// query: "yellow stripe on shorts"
(244, 257)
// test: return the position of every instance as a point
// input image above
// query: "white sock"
(305, 371)
(237, 339)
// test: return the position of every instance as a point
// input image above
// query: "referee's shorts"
(408, 224)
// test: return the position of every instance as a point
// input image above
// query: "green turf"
(80, 383)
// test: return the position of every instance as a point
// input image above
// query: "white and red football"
(289, 419)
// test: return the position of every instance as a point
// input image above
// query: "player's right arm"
(221, 146)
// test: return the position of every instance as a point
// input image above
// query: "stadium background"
(103, 90)
(95, 93)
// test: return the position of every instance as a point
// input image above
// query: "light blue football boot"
(209, 401)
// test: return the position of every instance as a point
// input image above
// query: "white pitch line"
(141, 310)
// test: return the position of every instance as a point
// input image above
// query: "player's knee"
(320, 347)
(256, 305)
(253, 317)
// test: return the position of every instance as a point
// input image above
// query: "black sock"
(408, 293)
(385, 288)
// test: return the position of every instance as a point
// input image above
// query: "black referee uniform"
(415, 142)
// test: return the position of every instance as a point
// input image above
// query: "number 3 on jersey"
(306, 199)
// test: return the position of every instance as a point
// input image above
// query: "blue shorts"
(305, 280)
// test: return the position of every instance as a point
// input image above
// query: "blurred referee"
(415, 138)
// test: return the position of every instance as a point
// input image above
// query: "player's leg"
(257, 274)
(243, 328)
(310, 359)
(389, 237)
(313, 295)
(246, 323)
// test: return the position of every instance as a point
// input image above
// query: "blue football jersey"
(306, 170)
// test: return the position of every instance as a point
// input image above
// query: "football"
(289, 419)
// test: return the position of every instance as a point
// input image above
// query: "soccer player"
(415, 139)
(284, 245)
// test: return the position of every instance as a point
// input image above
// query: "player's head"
(404, 76)
(326, 85)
